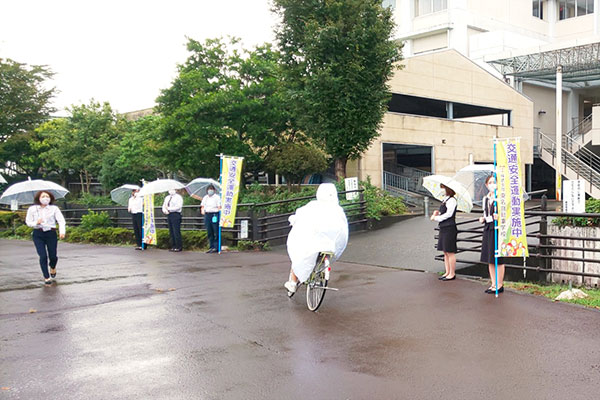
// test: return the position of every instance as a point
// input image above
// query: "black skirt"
(447, 239)
(488, 245)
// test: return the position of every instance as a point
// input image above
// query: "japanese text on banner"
(512, 235)
(230, 188)
(149, 226)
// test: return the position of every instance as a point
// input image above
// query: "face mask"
(211, 192)
(172, 192)
(45, 201)
(492, 187)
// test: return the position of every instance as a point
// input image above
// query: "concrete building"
(524, 44)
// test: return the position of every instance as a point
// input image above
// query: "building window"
(423, 7)
(574, 8)
(389, 3)
(538, 8)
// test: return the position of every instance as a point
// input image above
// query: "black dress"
(488, 239)
(448, 231)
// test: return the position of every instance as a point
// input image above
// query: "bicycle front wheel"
(315, 291)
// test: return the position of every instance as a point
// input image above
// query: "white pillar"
(597, 17)
(557, 160)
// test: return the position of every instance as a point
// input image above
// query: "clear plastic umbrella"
(433, 184)
(473, 178)
(122, 194)
(159, 186)
(197, 186)
(23, 192)
(2, 180)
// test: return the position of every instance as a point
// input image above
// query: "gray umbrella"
(121, 194)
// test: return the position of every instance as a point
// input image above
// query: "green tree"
(24, 97)
(135, 155)
(294, 161)
(224, 100)
(78, 142)
(338, 56)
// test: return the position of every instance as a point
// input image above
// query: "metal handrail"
(581, 128)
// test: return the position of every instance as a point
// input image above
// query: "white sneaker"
(291, 286)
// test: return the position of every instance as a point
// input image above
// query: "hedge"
(192, 240)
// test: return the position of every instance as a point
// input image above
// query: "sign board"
(351, 184)
(244, 229)
(573, 196)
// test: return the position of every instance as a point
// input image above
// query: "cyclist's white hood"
(319, 226)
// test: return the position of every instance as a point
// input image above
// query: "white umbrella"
(433, 184)
(198, 185)
(159, 186)
(121, 194)
(473, 177)
(2, 180)
(23, 192)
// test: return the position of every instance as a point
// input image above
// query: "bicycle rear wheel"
(315, 289)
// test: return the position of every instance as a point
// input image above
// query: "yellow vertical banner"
(230, 188)
(149, 225)
(512, 235)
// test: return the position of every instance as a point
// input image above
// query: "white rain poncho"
(319, 226)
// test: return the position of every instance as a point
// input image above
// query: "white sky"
(121, 51)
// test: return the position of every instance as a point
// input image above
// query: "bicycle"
(316, 284)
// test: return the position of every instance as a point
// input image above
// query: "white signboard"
(573, 196)
(244, 229)
(351, 184)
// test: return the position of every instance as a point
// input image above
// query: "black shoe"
(48, 282)
(138, 248)
(52, 274)
(212, 251)
(448, 279)
(171, 249)
(493, 291)
(441, 278)
(177, 250)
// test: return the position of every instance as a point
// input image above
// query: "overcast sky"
(121, 51)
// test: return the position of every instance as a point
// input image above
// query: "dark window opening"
(414, 105)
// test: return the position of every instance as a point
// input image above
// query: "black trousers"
(136, 220)
(174, 220)
(212, 229)
(45, 245)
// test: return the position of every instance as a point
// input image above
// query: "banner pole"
(495, 208)
(221, 184)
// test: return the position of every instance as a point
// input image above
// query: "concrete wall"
(449, 76)
(544, 98)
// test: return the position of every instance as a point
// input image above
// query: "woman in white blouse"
(42, 216)
(448, 232)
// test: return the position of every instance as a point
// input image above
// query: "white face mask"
(172, 192)
(491, 187)
(211, 192)
(45, 200)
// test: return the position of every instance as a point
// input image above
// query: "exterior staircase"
(577, 162)
(410, 188)
(581, 133)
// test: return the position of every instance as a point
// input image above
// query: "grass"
(551, 291)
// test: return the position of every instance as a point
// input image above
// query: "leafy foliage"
(222, 101)
(93, 220)
(337, 58)
(8, 218)
(245, 245)
(294, 161)
(24, 100)
(591, 206)
(381, 203)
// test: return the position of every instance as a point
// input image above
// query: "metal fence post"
(426, 206)
(254, 222)
(543, 262)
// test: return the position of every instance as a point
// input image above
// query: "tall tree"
(338, 56)
(78, 141)
(24, 97)
(224, 100)
(134, 156)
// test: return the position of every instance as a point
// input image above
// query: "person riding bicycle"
(318, 227)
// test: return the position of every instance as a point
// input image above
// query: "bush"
(192, 240)
(244, 245)
(93, 220)
(23, 231)
(591, 206)
(381, 203)
(89, 200)
(7, 218)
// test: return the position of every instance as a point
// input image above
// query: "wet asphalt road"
(112, 328)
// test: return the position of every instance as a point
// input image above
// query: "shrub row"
(191, 239)
(591, 206)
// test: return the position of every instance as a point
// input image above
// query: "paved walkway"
(112, 328)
